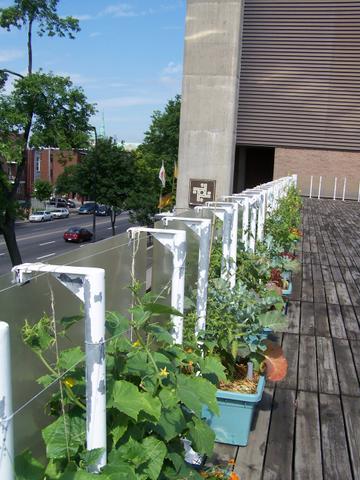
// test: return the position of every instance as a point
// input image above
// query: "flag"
(165, 201)
(176, 171)
(162, 175)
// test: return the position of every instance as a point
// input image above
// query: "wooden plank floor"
(308, 426)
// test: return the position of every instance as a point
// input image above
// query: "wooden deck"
(308, 426)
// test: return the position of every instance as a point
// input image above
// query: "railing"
(336, 188)
(180, 263)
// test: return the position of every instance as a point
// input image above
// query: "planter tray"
(233, 424)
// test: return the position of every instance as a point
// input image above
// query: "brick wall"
(325, 163)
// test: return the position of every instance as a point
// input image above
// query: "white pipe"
(320, 183)
(359, 194)
(335, 187)
(175, 242)
(311, 186)
(6, 421)
(253, 220)
(88, 284)
(202, 229)
(344, 190)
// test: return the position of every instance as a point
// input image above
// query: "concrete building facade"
(270, 89)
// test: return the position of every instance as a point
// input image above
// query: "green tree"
(67, 183)
(41, 110)
(161, 144)
(107, 175)
(42, 190)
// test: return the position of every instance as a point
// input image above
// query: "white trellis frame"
(202, 229)
(244, 203)
(175, 242)
(261, 201)
(88, 284)
(253, 200)
(6, 420)
(225, 214)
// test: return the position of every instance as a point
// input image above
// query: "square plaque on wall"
(201, 191)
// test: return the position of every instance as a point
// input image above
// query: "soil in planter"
(241, 384)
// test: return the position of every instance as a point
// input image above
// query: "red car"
(76, 234)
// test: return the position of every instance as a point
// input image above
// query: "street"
(42, 241)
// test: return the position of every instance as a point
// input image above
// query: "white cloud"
(83, 17)
(172, 68)
(10, 54)
(120, 10)
(95, 34)
(118, 102)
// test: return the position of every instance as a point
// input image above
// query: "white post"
(311, 186)
(243, 201)
(88, 284)
(233, 236)
(335, 186)
(344, 190)
(224, 213)
(253, 227)
(320, 183)
(359, 194)
(202, 228)
(6, 421)
(175, 242)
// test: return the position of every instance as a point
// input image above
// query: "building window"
(37, 165)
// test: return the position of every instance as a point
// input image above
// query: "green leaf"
(155, 450)
(70, 358)
(161, 334)
(139, 315)
(132, 451)
(45, 380)
(159, 309)
(67, 322)
(274, 320)
(126, 397)
(121, 427)
(116, 323)
(120, 471)
(90, 457)
(65, 434)
(26, 467)
(212, 369)
(195, 392)
(171, 423)
(137, 364)
(201, 436)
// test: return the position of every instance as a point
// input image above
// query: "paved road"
(42, 241)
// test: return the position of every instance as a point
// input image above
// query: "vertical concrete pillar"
(210, 95)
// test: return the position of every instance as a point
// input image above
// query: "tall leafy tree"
(41, 110)
(160, 145)
(106, 175)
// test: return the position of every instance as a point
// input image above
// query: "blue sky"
(127, 57)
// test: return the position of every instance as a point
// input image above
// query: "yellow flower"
(136, 344)
(164, 372)
(69, 382)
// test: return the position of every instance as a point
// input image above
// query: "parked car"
(60, 213)
(70, 204)
(40, 216)
(87, 208)
(58, 202)
(77, 234)
(102, 210)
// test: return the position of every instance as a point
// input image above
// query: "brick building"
(271, 88)
(48, 164)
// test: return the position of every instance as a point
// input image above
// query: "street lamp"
(94, 187)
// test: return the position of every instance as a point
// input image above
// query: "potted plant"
(235, 334)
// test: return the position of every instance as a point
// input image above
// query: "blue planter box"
(233, 424)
